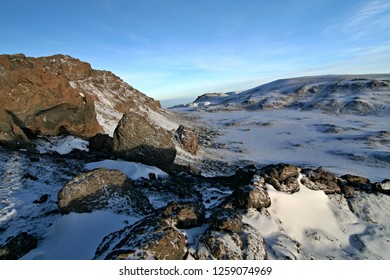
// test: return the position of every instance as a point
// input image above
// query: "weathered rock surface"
(184, 214)
(248, 196)
(58, 95)
(248, 244)
(226, 219)
(18, 246)
(283, 177)
(37, 94)
(137, 139)
(320, 179)
(102, 189)
(187, 139)
(150, 238)
(11, 135)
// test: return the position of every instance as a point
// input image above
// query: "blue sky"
(178, 48)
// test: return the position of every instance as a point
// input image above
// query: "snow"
(303, 210)
(76, 236)
(340, 143)
(60, 144)
(133, 170)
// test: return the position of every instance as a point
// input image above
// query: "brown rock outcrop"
(36, 93)
(58, 95)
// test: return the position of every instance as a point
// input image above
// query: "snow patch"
(60, 144)
(133, 170)
(76, 236)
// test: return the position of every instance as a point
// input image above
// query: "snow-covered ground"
(342, 144)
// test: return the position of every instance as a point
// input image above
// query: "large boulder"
(102, 189)
(137, 139)
(37, 94)
(247, 244)
(150, 238)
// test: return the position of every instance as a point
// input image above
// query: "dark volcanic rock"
(320, 179)
(248, 196)
(102, 189)
(283, 177)
(184, 214)
(226, 219)
(137, 139)
(18, 246)
(101, 143)
(248, 244)
(150, 238)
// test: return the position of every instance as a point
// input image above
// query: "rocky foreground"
(176, 212)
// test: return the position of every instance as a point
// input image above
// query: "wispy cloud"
(369, 19)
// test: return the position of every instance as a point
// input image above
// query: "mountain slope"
(345, 94)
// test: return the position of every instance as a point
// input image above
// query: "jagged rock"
(137, 139)
(18, 246)
(150, 238)
(353, 179)
(248, 196)
(226, 219)
(248, 244)
(102, 189)
(37, 94)
(320, 179)
(283, 177)
(184, 214)
(187, 139)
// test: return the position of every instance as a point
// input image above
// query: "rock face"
(37, 95)
(137, 139)
(102, 189)
(151, 238)
(58, 95)
(18, 246)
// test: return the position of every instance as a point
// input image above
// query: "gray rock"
(150, 238)
(283, 177)
(320, 179)
(226, 219)
(248, 196)
(137, 139)
(248, 244)
(102, 189)
(184, 214)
